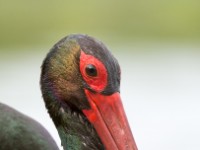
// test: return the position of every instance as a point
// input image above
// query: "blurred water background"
(156, 43)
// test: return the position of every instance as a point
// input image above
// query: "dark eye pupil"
(91, 70)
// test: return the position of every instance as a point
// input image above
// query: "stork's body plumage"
(19, 132)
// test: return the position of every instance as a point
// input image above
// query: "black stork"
(20, 132)
(80, 83)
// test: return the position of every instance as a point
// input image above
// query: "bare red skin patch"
(99, 82)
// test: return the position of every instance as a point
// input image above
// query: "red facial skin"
(106, 113)
(99, 82)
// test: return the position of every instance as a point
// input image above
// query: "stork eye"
(91, 70)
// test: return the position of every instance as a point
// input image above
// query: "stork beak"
(109, 119)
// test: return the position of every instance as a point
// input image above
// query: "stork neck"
(69, 142)
(74, 129)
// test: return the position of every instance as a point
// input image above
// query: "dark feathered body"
(19, 132)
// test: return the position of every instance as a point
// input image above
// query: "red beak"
(108, 118)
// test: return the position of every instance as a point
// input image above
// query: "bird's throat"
(75, 131)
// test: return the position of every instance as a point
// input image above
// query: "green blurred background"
(34, 23)
(155, 41)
